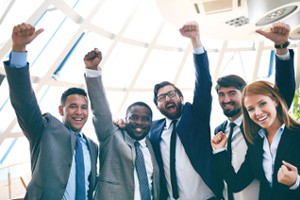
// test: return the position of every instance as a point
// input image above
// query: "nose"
(226, 98)
(79, 111)
(258, 112)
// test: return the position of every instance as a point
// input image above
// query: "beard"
(232, 113)
(172, 116)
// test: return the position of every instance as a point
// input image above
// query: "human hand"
(219, 140)
(278, 32)
(287, 174)
(92, 59)
(120, 123)
(22, 35)
(191, 30)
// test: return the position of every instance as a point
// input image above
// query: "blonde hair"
(267, 89)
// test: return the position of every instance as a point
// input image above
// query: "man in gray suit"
(128, 168)
(63, 160)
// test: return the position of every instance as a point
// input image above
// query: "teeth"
(138, 129)
(263, 118)
(77, 119)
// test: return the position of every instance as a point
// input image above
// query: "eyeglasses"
(170, 94)
(144, 119)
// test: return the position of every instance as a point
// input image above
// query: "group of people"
(171, 158)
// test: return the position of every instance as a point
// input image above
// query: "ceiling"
(141, 46)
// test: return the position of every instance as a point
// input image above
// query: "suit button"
(69, 164)
(63, 186)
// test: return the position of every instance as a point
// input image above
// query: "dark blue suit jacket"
(288, 149)
(194, 126)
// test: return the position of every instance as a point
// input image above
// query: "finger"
(289, 166)
(38, 32)
(284, 169)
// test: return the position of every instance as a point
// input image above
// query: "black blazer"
(194, 126)
(252, 166)
(288, 150)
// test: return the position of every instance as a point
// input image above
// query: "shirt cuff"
(284, 57)
(18, 59)
(90, 73)
(296, 185)
(198, 50)
(219, 150)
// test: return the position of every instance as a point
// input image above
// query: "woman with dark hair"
(273, 156)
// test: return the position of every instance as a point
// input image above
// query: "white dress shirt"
(269, 155)
(190, 184)
(239, 149)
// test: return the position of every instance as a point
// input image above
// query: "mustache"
(229, 103)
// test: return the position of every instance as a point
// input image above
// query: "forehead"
(76, 99)
(228, 89)
(254, 99)
(139, 110)
(165, 89)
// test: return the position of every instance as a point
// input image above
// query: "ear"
(181, 99)
(61, 110)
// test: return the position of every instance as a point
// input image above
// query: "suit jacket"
(194, 126)
(117, 152)
(285, 81)
(51, 143)
(288, 150)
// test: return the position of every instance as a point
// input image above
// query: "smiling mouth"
(77, 119)
(262, 118)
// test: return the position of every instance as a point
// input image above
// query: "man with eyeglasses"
(181, 141)
(128, 167)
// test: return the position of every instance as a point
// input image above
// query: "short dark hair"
(139, 103)
(161, 85)
(71, 91)
(231, 81)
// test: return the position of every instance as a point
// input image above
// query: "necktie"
(80, 177)
(141, 172)
(172, 162)
(229, 149)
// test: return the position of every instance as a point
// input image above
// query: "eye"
(72, 106)
(220, 94)
(146, 119)
(84, 107)
(262, 104)
(232, 93)
(250, 109)
(133, 117)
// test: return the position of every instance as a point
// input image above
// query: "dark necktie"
(229, 149)
(141, 172)
(80, 177)
(173, 162)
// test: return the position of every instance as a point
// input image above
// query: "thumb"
(263, 33)
(289, 166)
(39, 31)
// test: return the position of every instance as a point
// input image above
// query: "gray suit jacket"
(51, 143)
(117, 153)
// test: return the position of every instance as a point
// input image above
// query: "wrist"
(282, 45)
(19, 48)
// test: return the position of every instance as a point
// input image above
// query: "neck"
(272, 130)
(231, 119)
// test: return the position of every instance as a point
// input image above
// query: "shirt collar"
(237, 121)
(80, 133)
(169, 121)
(263, 132)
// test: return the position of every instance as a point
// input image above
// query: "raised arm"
(21, 93)
(102, 117)
(202, 92)
(285, 74)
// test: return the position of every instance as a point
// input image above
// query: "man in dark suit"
(128, 167)
(63, 160)
(229, 89)
(187, 164)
